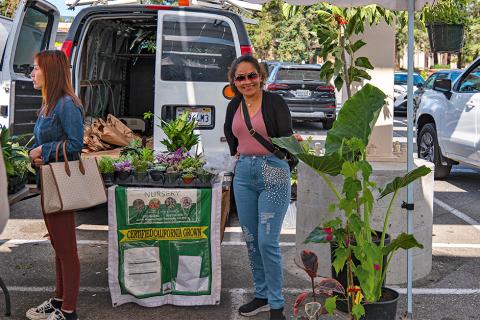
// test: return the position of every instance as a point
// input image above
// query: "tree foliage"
(8, 7)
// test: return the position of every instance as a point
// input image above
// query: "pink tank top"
(247, 144)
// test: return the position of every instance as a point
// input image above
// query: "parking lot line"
(242, 291)
(457, 213)
(224, 243)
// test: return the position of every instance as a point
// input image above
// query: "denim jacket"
(65, 122)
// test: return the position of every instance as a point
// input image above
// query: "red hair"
(58, 82)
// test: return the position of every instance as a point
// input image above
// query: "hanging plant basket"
(446, 37)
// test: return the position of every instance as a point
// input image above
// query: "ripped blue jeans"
(262, 194)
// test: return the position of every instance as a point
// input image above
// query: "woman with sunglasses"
(262, 180)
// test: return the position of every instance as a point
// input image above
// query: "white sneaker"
(42, 312)
(59, 315)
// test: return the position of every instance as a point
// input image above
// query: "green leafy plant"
(345, 155)
(446, 12)
(106, 165)
(146, 154)
(337, 33)
(191, 162)
(133, 149)
(180, 133)
(140, 165)
(16, 158)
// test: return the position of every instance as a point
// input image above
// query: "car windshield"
(298, 74)
(401, 79)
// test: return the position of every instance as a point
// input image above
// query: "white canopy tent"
(411, 6)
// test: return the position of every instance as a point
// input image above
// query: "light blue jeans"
(262, 194)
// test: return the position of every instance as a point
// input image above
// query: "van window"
(196, 49)
(30, 40)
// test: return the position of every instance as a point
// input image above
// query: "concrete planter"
(314, 196)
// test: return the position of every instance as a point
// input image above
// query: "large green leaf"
(403, 241)
(400, 182)
(356, 118)
(329, 164)
(289, 143)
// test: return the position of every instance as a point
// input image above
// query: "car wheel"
(327, 124)
(429, 150)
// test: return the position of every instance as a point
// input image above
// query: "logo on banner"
(162, 206)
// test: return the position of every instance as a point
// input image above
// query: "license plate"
(303, 93)
(203, 116)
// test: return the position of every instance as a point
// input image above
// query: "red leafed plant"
(324, 290)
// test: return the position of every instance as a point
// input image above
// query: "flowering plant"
(345, 155)
(172, 158)
(125, 166)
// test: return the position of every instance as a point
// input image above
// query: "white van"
(130, 59)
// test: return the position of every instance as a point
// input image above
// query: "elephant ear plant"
(345, 155)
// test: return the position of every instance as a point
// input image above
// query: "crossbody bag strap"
(264, 142)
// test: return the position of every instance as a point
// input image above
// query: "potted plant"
(141, 169)
(445, 22)
(156, 173)
(107, 169)
(327, 288)
(204, 176)
(146, 154)
(171, 175)
(16, 160)
(123, 168)
(345, 155)
(190, 163)
(188, 175)
(180, 133)
(17, 180)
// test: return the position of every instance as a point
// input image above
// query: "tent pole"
(411, 17)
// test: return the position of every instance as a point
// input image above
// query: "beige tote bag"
(71, 185)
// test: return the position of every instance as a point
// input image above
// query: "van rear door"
(194, 52)
(34, 29)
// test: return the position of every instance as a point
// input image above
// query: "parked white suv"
(448, 122)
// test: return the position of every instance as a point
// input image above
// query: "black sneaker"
(61, 315)
(43, 311)
(254, 307)
(277, 314)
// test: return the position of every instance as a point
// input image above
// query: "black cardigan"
(276, 116)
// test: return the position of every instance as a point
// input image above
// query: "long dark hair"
(58, 82)
(250, 59)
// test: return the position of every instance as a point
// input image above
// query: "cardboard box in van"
(130, 59)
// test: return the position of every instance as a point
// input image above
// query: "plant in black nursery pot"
(123, 168)
(141, 169)
(157, 171)
(171, 175)
(107, 169)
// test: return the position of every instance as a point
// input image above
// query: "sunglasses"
(243, 77)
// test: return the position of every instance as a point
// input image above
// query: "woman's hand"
(36, 156)
(38, 162)
(298, 137)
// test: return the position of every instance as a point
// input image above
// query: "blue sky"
(60, 4)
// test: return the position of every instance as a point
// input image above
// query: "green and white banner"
(164, 246)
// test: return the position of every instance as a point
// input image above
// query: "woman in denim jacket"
(59, 119)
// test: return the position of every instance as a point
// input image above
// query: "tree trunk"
(459, 60)
(435, 58)
(449, 58)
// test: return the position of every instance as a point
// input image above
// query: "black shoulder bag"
(291, 159)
